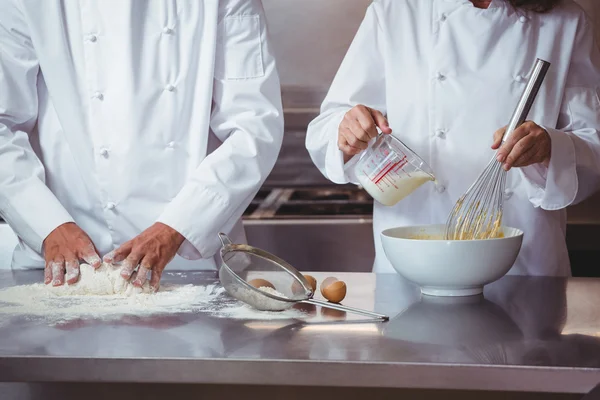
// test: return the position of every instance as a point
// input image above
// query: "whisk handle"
(528, 97)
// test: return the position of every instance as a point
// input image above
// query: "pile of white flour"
(105, 280)
(103, 294)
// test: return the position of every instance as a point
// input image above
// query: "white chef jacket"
(110, 111)
(448, 75)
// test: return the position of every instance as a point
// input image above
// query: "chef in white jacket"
(143, 127)
(443, 76)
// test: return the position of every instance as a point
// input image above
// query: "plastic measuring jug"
(389, 170)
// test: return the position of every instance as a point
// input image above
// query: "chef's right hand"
(63, 248)
(358, 127)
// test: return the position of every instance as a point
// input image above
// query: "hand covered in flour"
(358, 127)
(528, 144)
(152, 250)
(63, 248)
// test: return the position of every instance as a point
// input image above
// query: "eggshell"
(335, 292)
(258, 283)
(312, 282)
(298, 289)
(326, 282)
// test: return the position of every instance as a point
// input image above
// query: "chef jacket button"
(92, 38)
(522, 19)
(99, 96)
(167, 30)
(443, 17)
(520, 78)
(440, 188)
(440, 133)
(171, 145)
(440, 76)
(110, 205)
(508, 194)
(169, 88)
(104, 152)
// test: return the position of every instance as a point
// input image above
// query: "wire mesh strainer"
(242, 263)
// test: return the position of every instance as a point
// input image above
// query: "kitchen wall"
(310, 37)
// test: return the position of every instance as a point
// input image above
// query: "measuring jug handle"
(351, 163)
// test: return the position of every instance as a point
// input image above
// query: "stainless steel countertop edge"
(299, 373)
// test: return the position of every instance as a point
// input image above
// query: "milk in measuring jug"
(390, 191)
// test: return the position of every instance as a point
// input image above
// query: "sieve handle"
(352, 310)
(528, 97)
(225, 241)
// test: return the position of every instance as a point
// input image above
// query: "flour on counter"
(244, 311)
(56, 305)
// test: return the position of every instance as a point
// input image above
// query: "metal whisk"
(478, 213)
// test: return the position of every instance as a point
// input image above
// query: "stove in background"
(314, 228)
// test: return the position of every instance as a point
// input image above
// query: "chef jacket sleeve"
(574, 170)
(247, 117)
(359, 80)
(26, 203)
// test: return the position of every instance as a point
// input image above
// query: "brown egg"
(326, 282)
(333, 290)
(258, 283)
(298, 289)
(312, 282)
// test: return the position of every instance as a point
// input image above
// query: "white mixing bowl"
(449, 267)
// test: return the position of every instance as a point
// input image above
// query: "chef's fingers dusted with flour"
(358, 127)
(63, 248)
(529, 144)
(152, 250)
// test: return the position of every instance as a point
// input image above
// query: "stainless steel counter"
(525, 334)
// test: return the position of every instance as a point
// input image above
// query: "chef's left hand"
(528, 144)
(151, 250)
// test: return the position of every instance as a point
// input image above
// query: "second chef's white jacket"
(448, 75)
(116, 114)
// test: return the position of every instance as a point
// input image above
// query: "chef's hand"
(63, 248)
(358, 127)
(528, 144)
(151, 250)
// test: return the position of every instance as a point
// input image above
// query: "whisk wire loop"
(478, 213)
